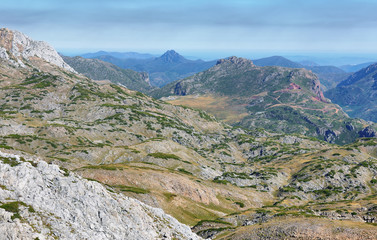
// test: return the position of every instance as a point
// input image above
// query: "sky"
(203, 28)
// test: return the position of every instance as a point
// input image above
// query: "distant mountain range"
(162, 70)
(100, 70)
(172, 66)
(357, 95)
(356, 67)
(275, 98)
(122, 55)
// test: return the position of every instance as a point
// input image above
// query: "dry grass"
(218, 106)
(183, 196)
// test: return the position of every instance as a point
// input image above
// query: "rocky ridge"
(100, 70)
(16, 47)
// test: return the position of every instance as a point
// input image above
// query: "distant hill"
(162, 70)
(100, 70)
(276, 61)
(358, 94)
(308, 63)
(329, 76)
(122, 55)
(356, 67)
(278, 99)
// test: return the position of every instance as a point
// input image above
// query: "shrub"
(241, 204)
(164, 155)
(184, 171)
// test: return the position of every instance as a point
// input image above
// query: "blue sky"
(197, 27)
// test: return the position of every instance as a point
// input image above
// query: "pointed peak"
(235, 60)
(170, 52)
(172, 56)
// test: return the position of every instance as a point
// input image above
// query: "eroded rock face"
(54, 203)
(17, 47)
(368, 132)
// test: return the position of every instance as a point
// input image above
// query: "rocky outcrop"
(235, 60)
(145, 77)
(18, 47)
(368, 132)
(316, 88)
(39, 200)
(179, 89)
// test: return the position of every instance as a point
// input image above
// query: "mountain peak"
(16, 47)
(235, 60)
(172, 56)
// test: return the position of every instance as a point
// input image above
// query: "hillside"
(356, 94)
(100, 70)
(164, 69)
(329, 76)
(355, 67)
(278, 99)
(276, 61)
(209, 175)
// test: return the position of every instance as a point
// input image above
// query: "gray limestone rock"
(53, 203)
(23, 47)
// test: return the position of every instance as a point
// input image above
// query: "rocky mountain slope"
(216, 178)
(100, 70)
(278, 99)
(164, 69)
(41, 201)
(16, 46)
(329, 76)
(357, 94)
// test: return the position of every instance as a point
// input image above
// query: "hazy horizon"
(322, 58)
(274, 26)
